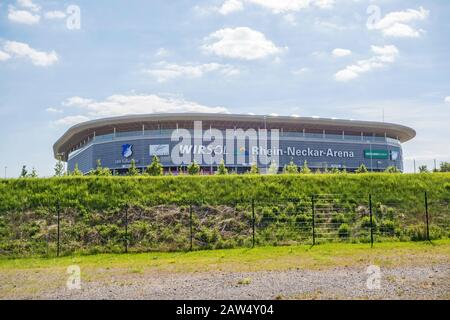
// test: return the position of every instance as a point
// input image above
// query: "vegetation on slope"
(109, 214)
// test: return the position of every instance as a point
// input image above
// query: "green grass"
(106, 193)
(260, 258)
(92, 210)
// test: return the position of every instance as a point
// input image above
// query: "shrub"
(291, 168)
(133, 171)
(254, 169)
(365, 223)
(222, 170)
(338, 218)
(155, 168)
(303, 218)
(344, 231)
(417, 232)
(305, 169)
(392, 169)
(387, 227)
(193, 168)
(362, 169)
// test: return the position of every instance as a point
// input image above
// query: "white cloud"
(4, 56)
(341, 52)
(117, 105)
(162, 52)
(71, 120)
(283, 6)
(290, 19)
(324, 4)
(76, 102)
(300, 71)
(54, 110)
(274, 6)
(23, 50)
(240, 43)
(165, 71)
(22, 16)
(28, 4)
(394, 24)
(55, 15)
(330, 26)
(383, 56)
(447, 99)
(230, 6)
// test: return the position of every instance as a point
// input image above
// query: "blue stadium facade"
(323, 143)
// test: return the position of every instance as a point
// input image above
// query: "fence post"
(426, 216)
(58, 209)
(371, 221)
(313, 219)
(126, 228)
(190, 226)
(253, 222)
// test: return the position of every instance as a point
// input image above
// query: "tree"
(423, 169)
(254, 169)
(273, 169)
(291, 168)
(24, 172)
(100, 171)
(132, 170)
(334, 171)
(59, 168)
(221, 169)
(362, 169)
(76, 171)
(193, 168)
(33, 173)
(155, 168)
(392, 169)
(445, 167)
(305, 169)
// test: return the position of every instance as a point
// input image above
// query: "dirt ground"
(339, 283)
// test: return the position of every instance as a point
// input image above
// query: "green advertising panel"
(376, 154)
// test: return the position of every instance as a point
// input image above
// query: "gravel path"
(343, 283)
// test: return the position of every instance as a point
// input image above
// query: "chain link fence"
(310, 220)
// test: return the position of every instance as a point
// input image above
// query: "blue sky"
(348, 59)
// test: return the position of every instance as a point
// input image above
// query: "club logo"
(127, 150)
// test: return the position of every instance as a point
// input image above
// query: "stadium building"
(323, 143)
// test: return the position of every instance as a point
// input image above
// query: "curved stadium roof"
(82, 131)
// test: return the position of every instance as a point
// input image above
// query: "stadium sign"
(262, 151)
(376, 154)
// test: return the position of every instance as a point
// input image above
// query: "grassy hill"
(110, 192)
(99, 214)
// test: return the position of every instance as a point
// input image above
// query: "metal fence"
(310, 220)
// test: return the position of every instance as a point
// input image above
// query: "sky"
(62, 63)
